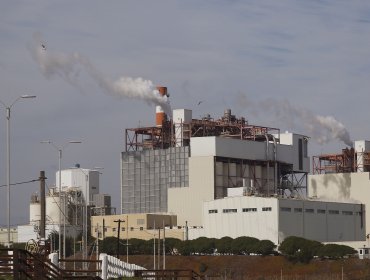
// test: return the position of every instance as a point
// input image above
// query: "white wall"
(252, 150)
(186, 203)
(276, 224)
(350, 187)
(259, 224)
(80, 178)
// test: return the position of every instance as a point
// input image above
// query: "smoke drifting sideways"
(68, 67)
(322, 129)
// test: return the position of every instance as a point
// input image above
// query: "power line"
(20, 183)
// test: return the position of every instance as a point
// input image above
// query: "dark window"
(285, 209)
(249, 209)
(300, 153)
(229, 210)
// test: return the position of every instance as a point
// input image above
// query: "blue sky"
(277, 63)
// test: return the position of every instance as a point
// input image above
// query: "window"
(285, 209)
(229, 211)
(131, 228)
(266, 209)
(334, 212)
(348, 213)
(123, 229)
(114, 229)
(141, 228)
(212, 211)
(249, 209)
(297, 210)
(321, 211)
(309, 210)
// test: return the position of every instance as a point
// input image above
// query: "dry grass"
(262, 268)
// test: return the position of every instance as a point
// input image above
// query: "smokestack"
(160, 115)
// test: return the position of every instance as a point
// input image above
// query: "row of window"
(234, 210)
(287, 209)
(318, 211)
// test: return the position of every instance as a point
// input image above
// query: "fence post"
(53, 257)
(104, 266)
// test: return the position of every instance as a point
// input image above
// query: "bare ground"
(261, 268)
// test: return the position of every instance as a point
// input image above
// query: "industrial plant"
(226, 177)
(215, 177)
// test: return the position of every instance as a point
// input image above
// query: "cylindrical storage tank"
(52, 208)
(35, 212)
(160, 115)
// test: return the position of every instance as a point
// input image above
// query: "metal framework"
(347, 161)
(162, 137)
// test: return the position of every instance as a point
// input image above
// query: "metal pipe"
(268, 165)
(275, 164)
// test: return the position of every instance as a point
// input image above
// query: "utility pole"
(159, 248)
(164, 247)
(119, 221)
(42, 204)
(127, 238)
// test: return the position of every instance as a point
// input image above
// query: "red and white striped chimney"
(160, 115)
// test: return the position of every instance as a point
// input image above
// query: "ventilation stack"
(160, 115)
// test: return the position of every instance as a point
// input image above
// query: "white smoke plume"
(323, 129)
(69, 67)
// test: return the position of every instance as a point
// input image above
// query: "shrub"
(335, 251)
(244, 245)
(265, 247)
(299, 249)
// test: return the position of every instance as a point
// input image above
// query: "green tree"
(204, 245)
(335, 251)
(299, 249)
(224, 245)
(265, 247)
(186, 248)
(244, 245)
(172, 245)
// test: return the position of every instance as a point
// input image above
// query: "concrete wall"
(260, 224)
(275, 219)
(321, 221)
(139, 226)
(251, 150)
(352, 187)
(187, 203)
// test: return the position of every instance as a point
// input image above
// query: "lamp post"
(8, 108)
(60, 151)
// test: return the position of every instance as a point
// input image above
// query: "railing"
(22, 264)
(174, 274)
(112, 267)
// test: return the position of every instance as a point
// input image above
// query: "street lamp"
(60, 150)
(7, 108)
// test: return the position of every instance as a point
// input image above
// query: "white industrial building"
(343, 177)
(277, 218)
(79, 187)
(195, 167)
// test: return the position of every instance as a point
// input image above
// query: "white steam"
(323, 129)
(70, 66)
